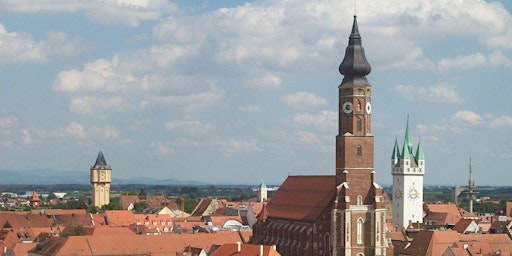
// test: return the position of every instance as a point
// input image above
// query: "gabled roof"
(463, 224)
(444, 214)
(428, 242)
(202, 207)
(302, 198)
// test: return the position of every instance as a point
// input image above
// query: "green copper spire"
(407, 149)
(419, 152)
(396, 151)
(262, 185)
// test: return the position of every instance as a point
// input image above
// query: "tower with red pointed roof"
(101, 177)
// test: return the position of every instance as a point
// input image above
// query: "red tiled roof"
(462, 225)
(245, 250)
(498, 242)
(201, 207)
(302, 198)
(25, 220)
(437, 211)
(428, 242)
(127, 244)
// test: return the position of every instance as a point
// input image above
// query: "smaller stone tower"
(262, 195)
(101, 177)
(407, 169)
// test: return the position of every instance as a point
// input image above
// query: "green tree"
(139, 207)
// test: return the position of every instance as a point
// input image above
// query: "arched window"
(359, 125)
(359, 150)
(359, 200)
(360, 231)
(327, 242)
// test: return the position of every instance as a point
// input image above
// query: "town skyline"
(247, 91)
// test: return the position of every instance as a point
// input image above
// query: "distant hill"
(51, 176)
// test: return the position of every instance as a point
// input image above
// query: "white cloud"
(76, 130)
(101, 75)
(129, 12)
(462, 62)
(467, 117)
(268, 81)
(442, 93)
(26, 137)
(307, 138)
(239, 146)
(304, 100)
(323, 121)
(22, 47)
(88, 105)
(162, 150)
(501, 122)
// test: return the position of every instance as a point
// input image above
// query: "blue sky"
(240, 91)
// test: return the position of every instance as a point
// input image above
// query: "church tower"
(359, 214)
(262, 192)
(101, 177)
(407, 169)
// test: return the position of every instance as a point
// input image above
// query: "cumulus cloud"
(441, 93)
(501, 122)
(323, 121)
(76, 130)
(304, 100)
(26, 137)
(307, 138)
(239, 146)
(87, 104)
(22, 47)
(268, 81)
(128, 12)
(467, 117)
(161, 150)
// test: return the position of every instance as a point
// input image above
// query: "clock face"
(368, 107)
(347, 107)
(413, 193)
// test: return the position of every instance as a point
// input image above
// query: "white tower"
(262, 196)
(101, 177)
(407, 169)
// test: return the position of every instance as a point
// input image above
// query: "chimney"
(239, 246)
(261, 250)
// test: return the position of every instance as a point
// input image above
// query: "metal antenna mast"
(471, 186)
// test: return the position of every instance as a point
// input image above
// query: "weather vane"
(355, 7)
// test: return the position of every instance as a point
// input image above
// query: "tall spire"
(396, 151)
(407, 149)
(419, 152)
(354, 66)
(100, 161)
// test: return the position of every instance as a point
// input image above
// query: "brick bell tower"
(359, 212)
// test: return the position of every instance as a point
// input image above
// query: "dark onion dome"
(354, 66)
